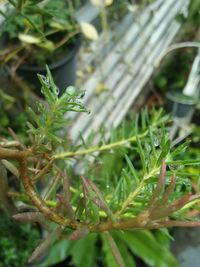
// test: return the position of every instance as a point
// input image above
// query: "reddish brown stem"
(142, 221)
(159, 187)
(6, 153)
(170, 189)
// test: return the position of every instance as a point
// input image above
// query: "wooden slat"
(144, 44)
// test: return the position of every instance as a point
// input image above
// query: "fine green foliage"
(51, 119)
(15, 253)
(36, 30)
(146, 246)
(193, 15)
(33, 12)
(135, 182)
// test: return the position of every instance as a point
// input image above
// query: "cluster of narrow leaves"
(147, 192)
(50, 117)
(90, 205)
(152, 193)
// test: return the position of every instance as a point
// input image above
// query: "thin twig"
(43, 171)
(66, 39)
(9, 144)
(15, 137)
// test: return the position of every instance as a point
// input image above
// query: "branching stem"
(134, 193)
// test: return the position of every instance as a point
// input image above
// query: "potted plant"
(39, 32)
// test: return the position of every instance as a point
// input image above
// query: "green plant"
(194, 16)
(17, 241)
(191, 21)
(37, 31)
(107, 199)
(174, 73)
(167, 78)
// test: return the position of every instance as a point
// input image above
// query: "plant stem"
(67, 38)
(130, 198)
(13, 154)
(134, 193)
(43, 171)
(100, 148)
(40, 203)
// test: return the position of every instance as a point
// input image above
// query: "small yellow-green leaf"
(29, 39)
(89, 31)
(132, 8)
(102, 3)
(48, 45)
(100, 88)
(57, 25)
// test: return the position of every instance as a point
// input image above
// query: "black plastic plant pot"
(63, 71)
(180, 105)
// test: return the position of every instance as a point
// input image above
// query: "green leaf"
(44, 246)
(57, 253)
(46, 90)
(164, 237)
(83, 251)
(29, 39)
(132, 169)
(34, 116)
(180, 149)
(184, 162)
(115, 250)
(54, 88)
(108, 257)
(47, 45)
(31, 127)
(126, 254)
(152, 140)
(164, 152)
(163, 135)
(144, 245)
(142, 154)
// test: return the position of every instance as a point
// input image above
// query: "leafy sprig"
(144, 193)
(50, 117)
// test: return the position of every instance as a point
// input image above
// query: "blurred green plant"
(173, 75)
(194, 15)
(169, 79)
(113, 196)
(38, 31)
(10, 108)
(36, 26)
(17, 241)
